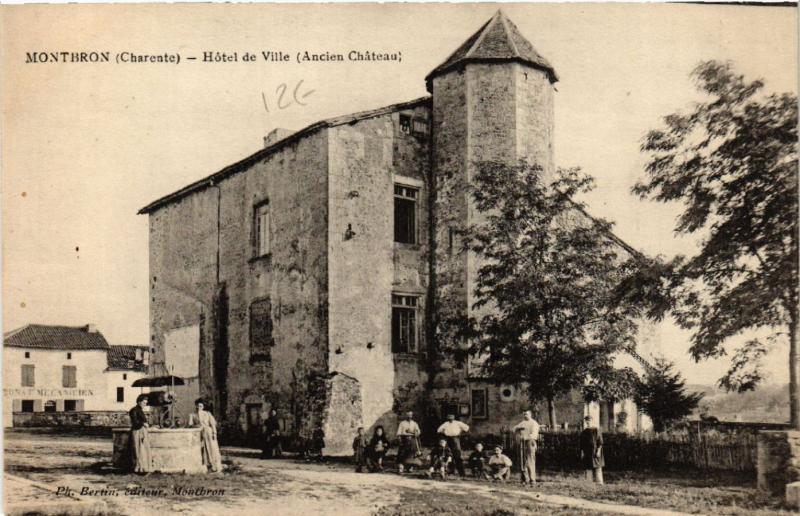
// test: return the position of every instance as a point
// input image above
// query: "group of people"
(447, 455)
(141, 458)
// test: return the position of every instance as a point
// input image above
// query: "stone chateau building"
(309, 276)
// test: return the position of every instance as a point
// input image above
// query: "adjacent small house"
(63, 369)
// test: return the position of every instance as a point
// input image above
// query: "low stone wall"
(778, 460)
(93, 418)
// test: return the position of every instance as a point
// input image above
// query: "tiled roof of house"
(69, 338)
(498, 40)
(124, 357)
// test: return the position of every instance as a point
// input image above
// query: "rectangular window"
(480, 404)
(120, 394)
(70, 405)
(69, 376)
(124, 376)
(27, 406)
(261, 340)
(261, 229)
(405, 123)
(27, 354)
(28, 379)
(404, 324)
(69, 356)
(405, 214)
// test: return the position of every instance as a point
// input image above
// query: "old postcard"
(400, 259)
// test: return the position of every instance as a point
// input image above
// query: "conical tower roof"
(497, 40)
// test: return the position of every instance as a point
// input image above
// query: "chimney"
(91, 328)
(276, 135)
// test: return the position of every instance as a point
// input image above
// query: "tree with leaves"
(662, 396)
(732, 161)
(545, 285)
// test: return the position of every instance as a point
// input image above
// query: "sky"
(85, 145)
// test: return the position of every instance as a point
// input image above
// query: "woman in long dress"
(140, 441)
(208, 433)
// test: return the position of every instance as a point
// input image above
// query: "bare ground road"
(284, 487)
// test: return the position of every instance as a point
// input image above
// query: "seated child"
(440, 458)
(477, 462)
(360, 449)
(500, 465)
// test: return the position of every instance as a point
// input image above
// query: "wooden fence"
(702, 450)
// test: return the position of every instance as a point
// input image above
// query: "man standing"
(408, 433)
(452, 430)
(592, 451)
(140, 442)
(528, 432)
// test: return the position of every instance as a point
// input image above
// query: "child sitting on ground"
(477, 462)
(500, 465)
(360, 449)
(440, 458)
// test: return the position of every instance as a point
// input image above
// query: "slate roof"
(497, 40)
(68, 338)
(124, 357)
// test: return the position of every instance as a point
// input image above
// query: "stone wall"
(98, 418)
(481, 112)
(190, 285)
(366, 266)
(778, 460)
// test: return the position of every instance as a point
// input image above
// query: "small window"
(405, 123)
(120, 394)
(261, 340)
(480, 404)
(69, 376)
(124, 376)
(50, 406)
(261, 225)
(420, 127)
(28, 376)
(27, 406)
(27, 354)
(404, 324)
(405, 214)
(69, 356)
(70, 405)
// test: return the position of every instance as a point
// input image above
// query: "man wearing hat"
(408, 433)
(591, 451)
(500, 465)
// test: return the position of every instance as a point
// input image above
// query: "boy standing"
(360, 449)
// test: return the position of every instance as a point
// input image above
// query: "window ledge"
(410, 247)
(267, 258)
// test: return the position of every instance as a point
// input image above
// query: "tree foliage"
(662, 396)
(545, 287)
(732, 161)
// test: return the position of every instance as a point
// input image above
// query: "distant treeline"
(768, 403)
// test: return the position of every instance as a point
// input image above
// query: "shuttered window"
(261, 340)
(69, 376)
(28, 379)
(261, 225)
